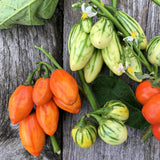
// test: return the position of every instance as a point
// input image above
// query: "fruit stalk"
(55, 145)
(107, 14)
(87, 91)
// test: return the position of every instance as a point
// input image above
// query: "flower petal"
(129, 38)
(83, 8)
(90, 12)
(121, 68)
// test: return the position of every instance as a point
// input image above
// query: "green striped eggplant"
(112, 131)
(113, 55)
(81, 51)
(153, 51)
(94, 66)
(73, 34)
(84, 133)
(101, 33)
(87, 25)
(118, 110)
(132, 25)
(132, 63)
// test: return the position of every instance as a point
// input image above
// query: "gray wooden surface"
(17, 60)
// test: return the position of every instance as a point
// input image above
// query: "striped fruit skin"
(85, 136)
(113, 55)
(94, 66)
(41, 91)
(87, 25)
(74, 108)
(101, 33)
(112, 132)
(73, 34)
(48, 117)
(134, 62)
(81, 51)
(153, 51)
(132, 25)
(31, 135)
(20, 103)
(119, 110)
(64, 86)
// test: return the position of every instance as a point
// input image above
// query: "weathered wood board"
(17, 60)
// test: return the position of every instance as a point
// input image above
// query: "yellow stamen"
(133, 34)
(84, 15)
(130, 70)
(102, 4)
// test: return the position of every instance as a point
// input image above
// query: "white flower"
(87, 11)
(131, 38)
(121, 68)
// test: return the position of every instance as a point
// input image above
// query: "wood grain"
(17, 60)
(147, 14)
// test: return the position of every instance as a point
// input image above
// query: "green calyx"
(81, 124)
(112, 109)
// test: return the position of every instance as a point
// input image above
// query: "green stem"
(82, 121)
(51, 68)
(87, 91)
(50, 57)
(39, 71)
(125, 33)
(29, 80)
(55, 145)
(98, 118)
(110, 8)
(144, 60)
(103, 110)
(155, 67)
(114, 3)
(46, 73)
(54, 62)
(147, 134)
(111, 17)
(157, 2)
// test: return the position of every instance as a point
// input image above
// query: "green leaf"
(109, 88)
(136, 119)
(47, 8)
(25, 12)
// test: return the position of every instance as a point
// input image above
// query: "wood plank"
(17, 60)
(147, 14)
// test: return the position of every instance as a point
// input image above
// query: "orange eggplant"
(31, 134)
(74, 108)
(41, 91)
(48, 116)
(20, 103)
(64, 87)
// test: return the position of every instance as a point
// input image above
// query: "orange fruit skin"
(74, 108)
(48, 116)
(31, 134)
(64, 86)
(41, 91)
(20, 103)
